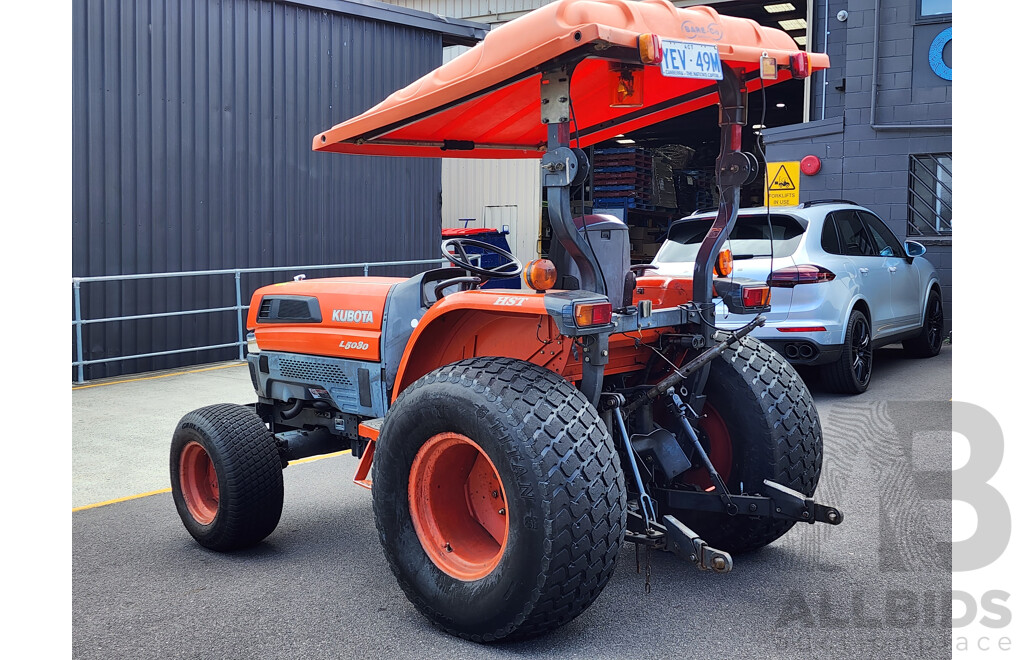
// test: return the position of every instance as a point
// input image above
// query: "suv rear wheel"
(851, 373)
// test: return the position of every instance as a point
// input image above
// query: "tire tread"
(585, 488)
(252, 491)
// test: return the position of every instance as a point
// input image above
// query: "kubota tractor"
(515, 439)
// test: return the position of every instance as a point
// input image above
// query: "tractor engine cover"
(320, 341)
(332, 317)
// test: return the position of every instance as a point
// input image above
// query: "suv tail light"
(790, 276)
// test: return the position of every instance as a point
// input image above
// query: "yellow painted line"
(177, 373)
(309, 459)
(121, 499)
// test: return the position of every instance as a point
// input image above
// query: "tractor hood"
(486, 103)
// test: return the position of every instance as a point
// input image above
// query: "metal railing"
(79, 323)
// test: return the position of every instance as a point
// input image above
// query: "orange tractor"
(513, 440)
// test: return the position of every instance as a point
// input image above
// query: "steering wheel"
(511, 268)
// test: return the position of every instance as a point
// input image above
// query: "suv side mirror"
(914, 249)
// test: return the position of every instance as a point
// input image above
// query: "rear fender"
(511, 324)
(484, 322)
(863, 302)
(933, 284)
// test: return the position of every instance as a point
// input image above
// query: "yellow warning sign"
(783, 183)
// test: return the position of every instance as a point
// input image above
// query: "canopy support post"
(732, 170)
(560, 167)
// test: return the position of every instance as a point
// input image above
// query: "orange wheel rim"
(457, 503)
(718, 447)
(199, 483)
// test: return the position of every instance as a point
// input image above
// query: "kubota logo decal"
(352, 316)
(510, 301)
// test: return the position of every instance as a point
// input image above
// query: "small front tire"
(226, 477)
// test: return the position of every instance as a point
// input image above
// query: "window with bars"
(930, 203)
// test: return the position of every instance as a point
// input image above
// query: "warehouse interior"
(653, 176)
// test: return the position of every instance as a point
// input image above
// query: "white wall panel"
(494, 193)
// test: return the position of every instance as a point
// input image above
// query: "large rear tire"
(759, 423)
(226, 477)
(499, 498)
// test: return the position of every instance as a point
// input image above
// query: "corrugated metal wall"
(191, 133)
(498, 10)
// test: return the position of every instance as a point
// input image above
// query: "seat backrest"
(609, 238)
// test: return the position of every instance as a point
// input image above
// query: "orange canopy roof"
(490, 95)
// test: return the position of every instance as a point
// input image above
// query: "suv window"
(853, 236)
(750, 237)
(830, 237)
(888, 245)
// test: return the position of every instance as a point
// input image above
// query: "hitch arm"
(778, 501)
(685, 542)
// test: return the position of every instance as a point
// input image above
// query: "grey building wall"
(891, 105)
(192, 126)
(829, 82)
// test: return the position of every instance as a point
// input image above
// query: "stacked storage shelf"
(695, 189)
(623, 178)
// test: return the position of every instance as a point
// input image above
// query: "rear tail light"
(756, 296)
(800, 65)
(790, 276)
(650, 48)
(590, 314)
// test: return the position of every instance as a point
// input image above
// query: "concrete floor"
(877, 586)
(122, 427)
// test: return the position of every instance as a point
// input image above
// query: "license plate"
(682, 59)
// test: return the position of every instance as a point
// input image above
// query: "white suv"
(842, 284)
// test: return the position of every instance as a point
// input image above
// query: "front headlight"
(250, 340)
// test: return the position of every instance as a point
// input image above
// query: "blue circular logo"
(938, 64)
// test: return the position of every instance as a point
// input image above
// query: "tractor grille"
(354, 385)
(314, 372)
(265, 309)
